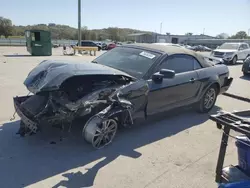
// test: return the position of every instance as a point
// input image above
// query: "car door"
(245, 50)
(178, 91)
(241, 52)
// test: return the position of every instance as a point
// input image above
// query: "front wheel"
(208, 100)
(99, 132)
(234, 60)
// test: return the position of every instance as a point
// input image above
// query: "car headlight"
(229, 53)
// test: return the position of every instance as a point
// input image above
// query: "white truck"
(232, 52)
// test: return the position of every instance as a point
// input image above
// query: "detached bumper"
(31, 124)
(227, 84)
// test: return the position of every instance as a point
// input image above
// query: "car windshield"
(135, 62)
(229, 46)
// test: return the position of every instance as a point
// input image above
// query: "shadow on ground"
(239, 63)
(25, 161)
(245, 77)
(18, 55)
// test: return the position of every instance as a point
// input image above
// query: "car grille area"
(218, 54)
(34, 104)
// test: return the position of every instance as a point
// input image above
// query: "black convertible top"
(170, 50)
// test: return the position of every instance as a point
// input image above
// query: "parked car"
(104, 46)
(246, 66)
(189, 47)
(232, 52)
(55, 45)
(119, 87)
(111, 46)
(206, 49)
(89, 43)
(200, 48)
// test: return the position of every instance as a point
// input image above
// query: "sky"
(177, 16)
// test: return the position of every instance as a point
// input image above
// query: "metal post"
(160, 27)
(79, 22)
(222, 153)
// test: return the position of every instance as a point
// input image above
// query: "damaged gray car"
(126, 83)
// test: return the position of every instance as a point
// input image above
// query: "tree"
(189, 34)
(5, 27)
(239, 35)
(222, 36)
(113, 33)
(93, 35)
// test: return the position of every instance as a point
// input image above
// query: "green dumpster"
(38, 42)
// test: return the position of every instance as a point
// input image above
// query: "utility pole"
(160, 27)
(79, 22)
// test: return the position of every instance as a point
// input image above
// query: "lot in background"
(179, 151)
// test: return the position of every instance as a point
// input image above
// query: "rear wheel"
(208, 100)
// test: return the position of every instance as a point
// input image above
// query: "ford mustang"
(118, 87)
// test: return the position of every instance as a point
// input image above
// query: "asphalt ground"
(176, 151)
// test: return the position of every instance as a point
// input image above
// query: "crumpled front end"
(78, 97)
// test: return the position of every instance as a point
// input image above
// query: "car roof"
(170, 50)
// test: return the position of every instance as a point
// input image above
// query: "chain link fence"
(22, 42)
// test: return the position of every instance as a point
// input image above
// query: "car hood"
(225, 50)
(49, 75)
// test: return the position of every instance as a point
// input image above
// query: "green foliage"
(240, 35)
(222, 36)
(67, 32)
(6, 27)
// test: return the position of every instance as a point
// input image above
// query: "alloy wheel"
(100, 133)
(209, 98)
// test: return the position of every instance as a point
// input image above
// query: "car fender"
(214, 80)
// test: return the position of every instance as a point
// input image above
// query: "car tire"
(100, 132)
(234, 60)
(208, 100)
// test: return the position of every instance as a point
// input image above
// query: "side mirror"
(164, 73)
(167, 73)
(157, 77)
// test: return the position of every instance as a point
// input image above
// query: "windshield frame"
(145, 74)
(228, 44)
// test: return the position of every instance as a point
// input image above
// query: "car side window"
(245, 46)
(180, 63)
(197, 65)
(241, 47)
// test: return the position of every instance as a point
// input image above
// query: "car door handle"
(192, 80)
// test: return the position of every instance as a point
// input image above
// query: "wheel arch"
(214, 83)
